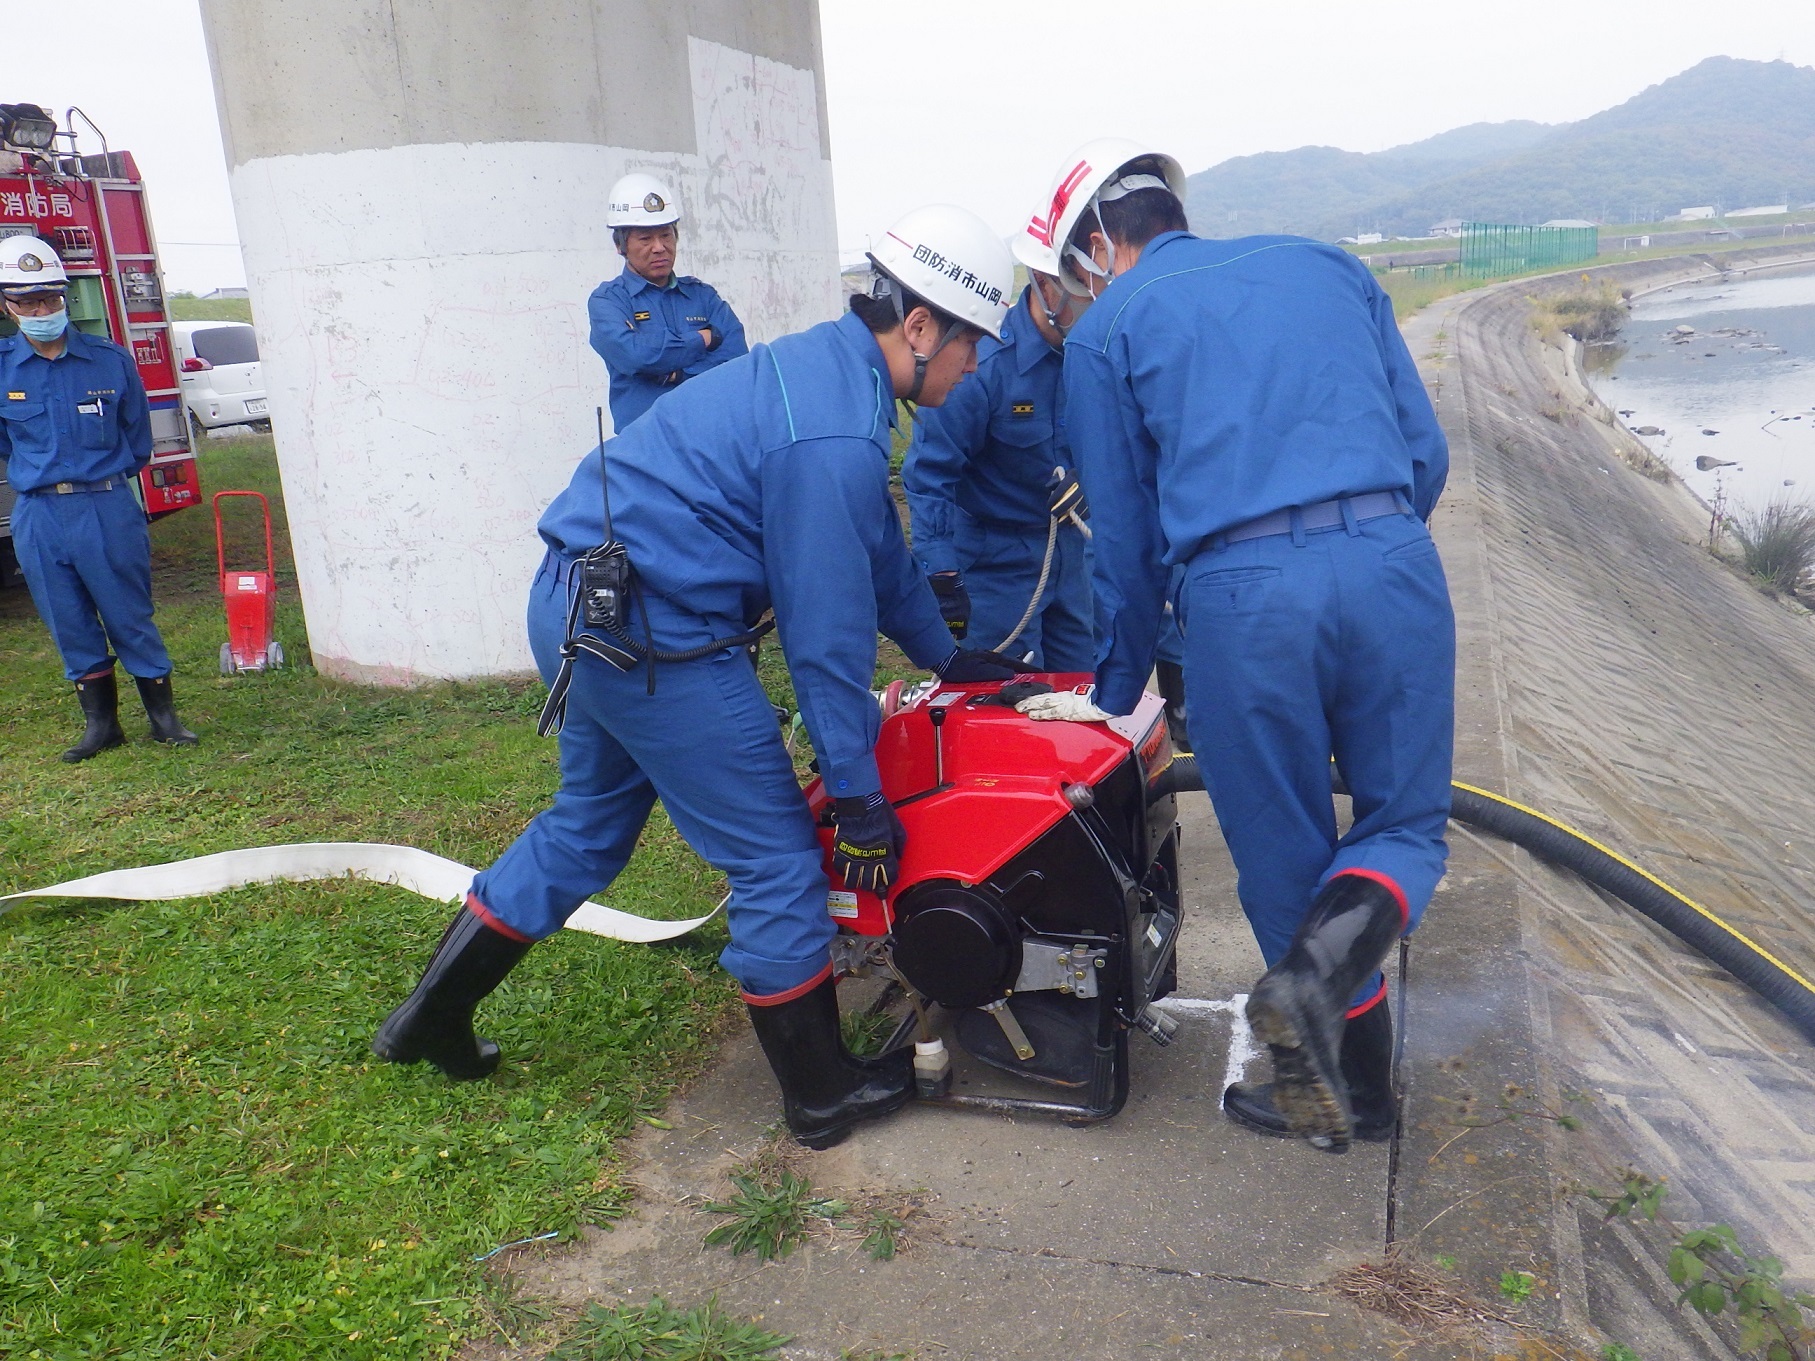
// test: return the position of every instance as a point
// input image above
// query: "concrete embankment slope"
(1618, 678)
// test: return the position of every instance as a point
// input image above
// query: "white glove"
(1065, 705)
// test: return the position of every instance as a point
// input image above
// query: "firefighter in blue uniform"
(765, 484)
(74, 431)
(1251, 428)
(654, 328)
(996, 510)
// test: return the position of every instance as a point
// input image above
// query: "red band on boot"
(1387, 881)
(484, 914)
(1371, 1003)
(775, 999)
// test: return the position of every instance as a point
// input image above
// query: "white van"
(217, 362)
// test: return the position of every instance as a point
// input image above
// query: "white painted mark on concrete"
(1687, 1047)
(1242, 1046)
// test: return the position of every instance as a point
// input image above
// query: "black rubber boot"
(1299, 1006)
(824, 1088)
(1172, 689)
(1366, 1060)
(161, 710)
(436, 1021)
(99, 697)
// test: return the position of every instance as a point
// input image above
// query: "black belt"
(1323, 515)
(619, 649)
(68, 488)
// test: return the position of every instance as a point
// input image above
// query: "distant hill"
(1727, 132)
(1296, 191)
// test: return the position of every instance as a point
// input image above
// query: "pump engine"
(1037, 911)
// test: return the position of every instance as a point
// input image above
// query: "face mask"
(44, 329)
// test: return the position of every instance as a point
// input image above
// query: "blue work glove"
(866, 848)
(967, 666)
(954, 601)
(1067, 496)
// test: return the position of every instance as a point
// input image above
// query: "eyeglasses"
(39, 305)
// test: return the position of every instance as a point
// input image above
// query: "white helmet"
(951, 258)
(28, 265)
(640, 200)
(1089, 175)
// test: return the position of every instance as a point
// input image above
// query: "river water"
(1725, 372)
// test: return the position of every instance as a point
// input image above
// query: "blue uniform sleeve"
(832, 549)
(629, 346)
(1117, 461)
(906, 607)
(731, 342)
(946, 438)
(135, 415)
(1417, 419)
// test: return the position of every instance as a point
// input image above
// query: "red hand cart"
(251, 600)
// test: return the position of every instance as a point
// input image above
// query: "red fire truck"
(92, 208)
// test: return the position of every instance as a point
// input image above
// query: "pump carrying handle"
(220, 542)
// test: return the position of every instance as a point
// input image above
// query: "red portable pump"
(250, 596)
(1038, 904)
(93, 210)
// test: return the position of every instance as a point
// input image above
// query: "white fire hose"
(432, 876)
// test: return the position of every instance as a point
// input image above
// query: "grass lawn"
(198, 1156)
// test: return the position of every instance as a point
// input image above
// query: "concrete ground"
(1612, 674)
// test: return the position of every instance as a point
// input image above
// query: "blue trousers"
(1299, 648)
(707, 744)
(1001, 567)
(87, 559)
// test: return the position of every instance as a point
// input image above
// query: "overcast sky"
(976, 101)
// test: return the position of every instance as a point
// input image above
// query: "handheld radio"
(607, 590)
(605, 571)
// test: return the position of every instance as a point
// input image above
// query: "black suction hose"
(1782, 986)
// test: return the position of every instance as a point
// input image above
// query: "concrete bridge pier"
(420, 187)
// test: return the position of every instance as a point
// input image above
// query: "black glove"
(1067, 495)
(954, 602)
(866, 848)
(967, 666)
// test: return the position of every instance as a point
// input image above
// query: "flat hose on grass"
(1783, 987)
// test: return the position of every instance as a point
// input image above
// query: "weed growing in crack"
(769, 1219)
(658, 1332)
(1715, 1273)
(1517, 1285)
(865, 1032)
(1777, 545)
(773, 1209)
(882, 1233)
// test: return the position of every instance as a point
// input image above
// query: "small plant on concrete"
(1517, 1285)
(1717, 1273)
(865, 1032)
(657, 1332)
(882, 1230)
(769, 1218)
(1618, 1351)
(1777, 545)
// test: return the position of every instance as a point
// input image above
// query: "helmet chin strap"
(952, 327)
(1052, 316)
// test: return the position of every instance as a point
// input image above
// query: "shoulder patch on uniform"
(641, 316)
(1023, 408)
